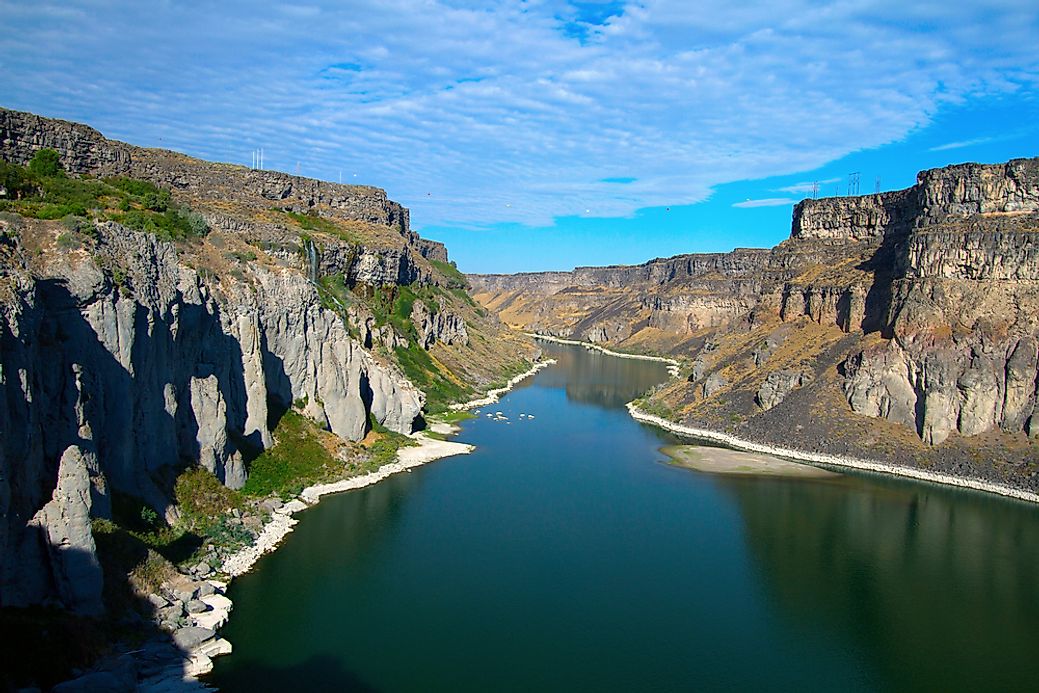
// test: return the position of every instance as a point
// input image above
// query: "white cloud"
(766, 202)
(807, 186)
(961, 144)
(481, 114)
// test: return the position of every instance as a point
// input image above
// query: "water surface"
(566, 554)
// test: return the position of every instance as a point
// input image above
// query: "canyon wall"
(125, 359)
(918, 307)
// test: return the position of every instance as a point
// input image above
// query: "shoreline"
(492, 396)
(427, 450)
(198, 659)
(831, 460)
(672, 364)
(282, 520)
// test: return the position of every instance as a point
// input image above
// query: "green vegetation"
(456, 280)
(383, 447)
(335, 294)
(655, 407)
(300, 459)
(312, 222)
(297, 460)
(46, 163)
(453, 417)
(508, 373)
(202, 499)
(420, 369)
(241, 256)
(43, 190)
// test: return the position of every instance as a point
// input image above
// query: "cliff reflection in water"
(939, 589)
(591, 377)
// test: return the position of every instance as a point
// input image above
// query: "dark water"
(565, 554)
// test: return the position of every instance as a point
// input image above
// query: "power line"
(853, 183)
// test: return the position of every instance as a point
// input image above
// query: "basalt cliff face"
(125, 358)
(900, 326)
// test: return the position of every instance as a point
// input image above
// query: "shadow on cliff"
(47, 645)
(82, 395)
(319, 673)
(887, 266)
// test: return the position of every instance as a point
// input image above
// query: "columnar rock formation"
(919, 307)
(125, 359)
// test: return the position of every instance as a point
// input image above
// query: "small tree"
(46, 163)
(13, 179)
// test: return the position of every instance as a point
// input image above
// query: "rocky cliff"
(125, 358)
(902, 326)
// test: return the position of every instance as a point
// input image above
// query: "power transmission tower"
(876, 189)
(815, 190)
(853, 183)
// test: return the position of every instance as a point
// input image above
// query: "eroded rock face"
(121, 382)
(60, 534)
(943, 274)
(437, 326)
(778, 385)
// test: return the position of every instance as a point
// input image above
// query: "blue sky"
(547, 134)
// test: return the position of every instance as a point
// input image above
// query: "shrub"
(46, 163)
(203, 499)
(296, 460)
(456, 280)
(15, 180)
(68, 241)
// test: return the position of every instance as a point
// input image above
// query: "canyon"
(901, 327)
(126, 357)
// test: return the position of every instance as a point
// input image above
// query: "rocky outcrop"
(940, 195)
(125, 359)
(85, 150)
(919, 307)
(122, 366)
(363, 265)
(438, 325)
(779, 384)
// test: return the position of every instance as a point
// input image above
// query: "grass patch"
(312, 222)
(297, 460)
(453, 417)
(455, 278)
(656, 408)
(420, 370)
(203, 500)
(43, 190)
(508, 373)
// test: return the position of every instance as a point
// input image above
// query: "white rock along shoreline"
(796, 455)
(426, 450)
(198, 660)
(830, 460)
(672, 364)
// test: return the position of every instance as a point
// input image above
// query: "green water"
(565, 554)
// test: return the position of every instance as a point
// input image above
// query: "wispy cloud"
(766, 202)
(805, 187)
(516, 112)
(960, 145)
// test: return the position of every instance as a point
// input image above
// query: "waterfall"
(312, 261)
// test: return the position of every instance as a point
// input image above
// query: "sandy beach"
(831, 460)
(733, 462)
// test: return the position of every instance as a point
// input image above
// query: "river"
(566, 554)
